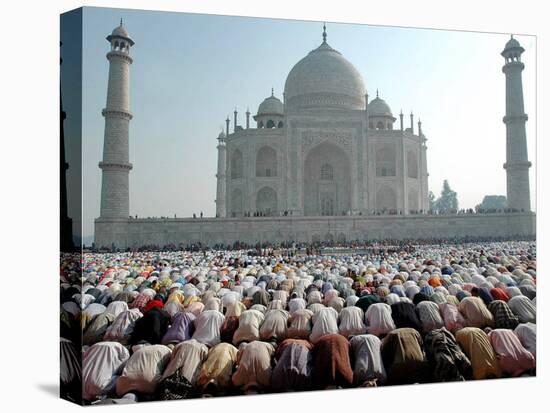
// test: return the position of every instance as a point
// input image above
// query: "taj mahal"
(324, 163)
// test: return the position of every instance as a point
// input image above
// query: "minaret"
(517, 165)
(220, 177)
(115, 166)
(65, 223)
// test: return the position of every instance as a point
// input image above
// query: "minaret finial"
(271, 92)
(376, 92)
(324, 32)
(121, 21)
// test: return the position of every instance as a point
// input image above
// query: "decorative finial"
(121, 21)
(376, 92)
(271, 92)
(511, 36)
(401, 112)
(324, 33)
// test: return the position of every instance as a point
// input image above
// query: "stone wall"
(139, 232)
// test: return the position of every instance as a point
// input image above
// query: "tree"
(492, 202)
(431, 197)
(448, 200)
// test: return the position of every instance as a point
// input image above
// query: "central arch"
(266, 162)
(326, 181)
(266, 201)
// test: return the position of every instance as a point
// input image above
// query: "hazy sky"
(190, 71)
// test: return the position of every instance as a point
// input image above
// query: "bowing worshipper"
(143, 370)
(97, 328)
(527, 334)
(234, 309)
(116, 307)
(499, 294)
(123, 325)
(300, 324)
(274, 327)
(207, 327)
(503, 315)
(228, 328)
(331, 362)
(314, 297)
(282, 296)
(182, 372)
(366, 359)
(70, 371)
(150, 328)
(296, 304)
(379, 320)
(451, 317)
(217, 369)
(195, 308)
(213, 304)
(523, 308)
(286, 342)
(173, 307)
(89, 313)
(446, 359)
(351, 322)
(292, 371)
(253, 367)
(125, 296)
(428, 313)
(475, 313)
(142, 299)
(156, 302)
(366, 300)
(325, 322)
(182, 327)
(403, 357)
(527, 290)
(477, 347)
(513, 358)
(404, 315)
(249, 327)
(261, 297)
(102, 363)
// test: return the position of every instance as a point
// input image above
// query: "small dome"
(120, 31)
(512, 44)
(512, 48)
(379, 107)
(271, 106)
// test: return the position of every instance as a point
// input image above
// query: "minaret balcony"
(117, 113)
(515, 118)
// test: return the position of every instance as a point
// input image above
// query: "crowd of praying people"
(151, 325)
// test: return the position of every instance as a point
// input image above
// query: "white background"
(29, 197)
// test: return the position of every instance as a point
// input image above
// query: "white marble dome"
(324, 79)
(271, 106)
